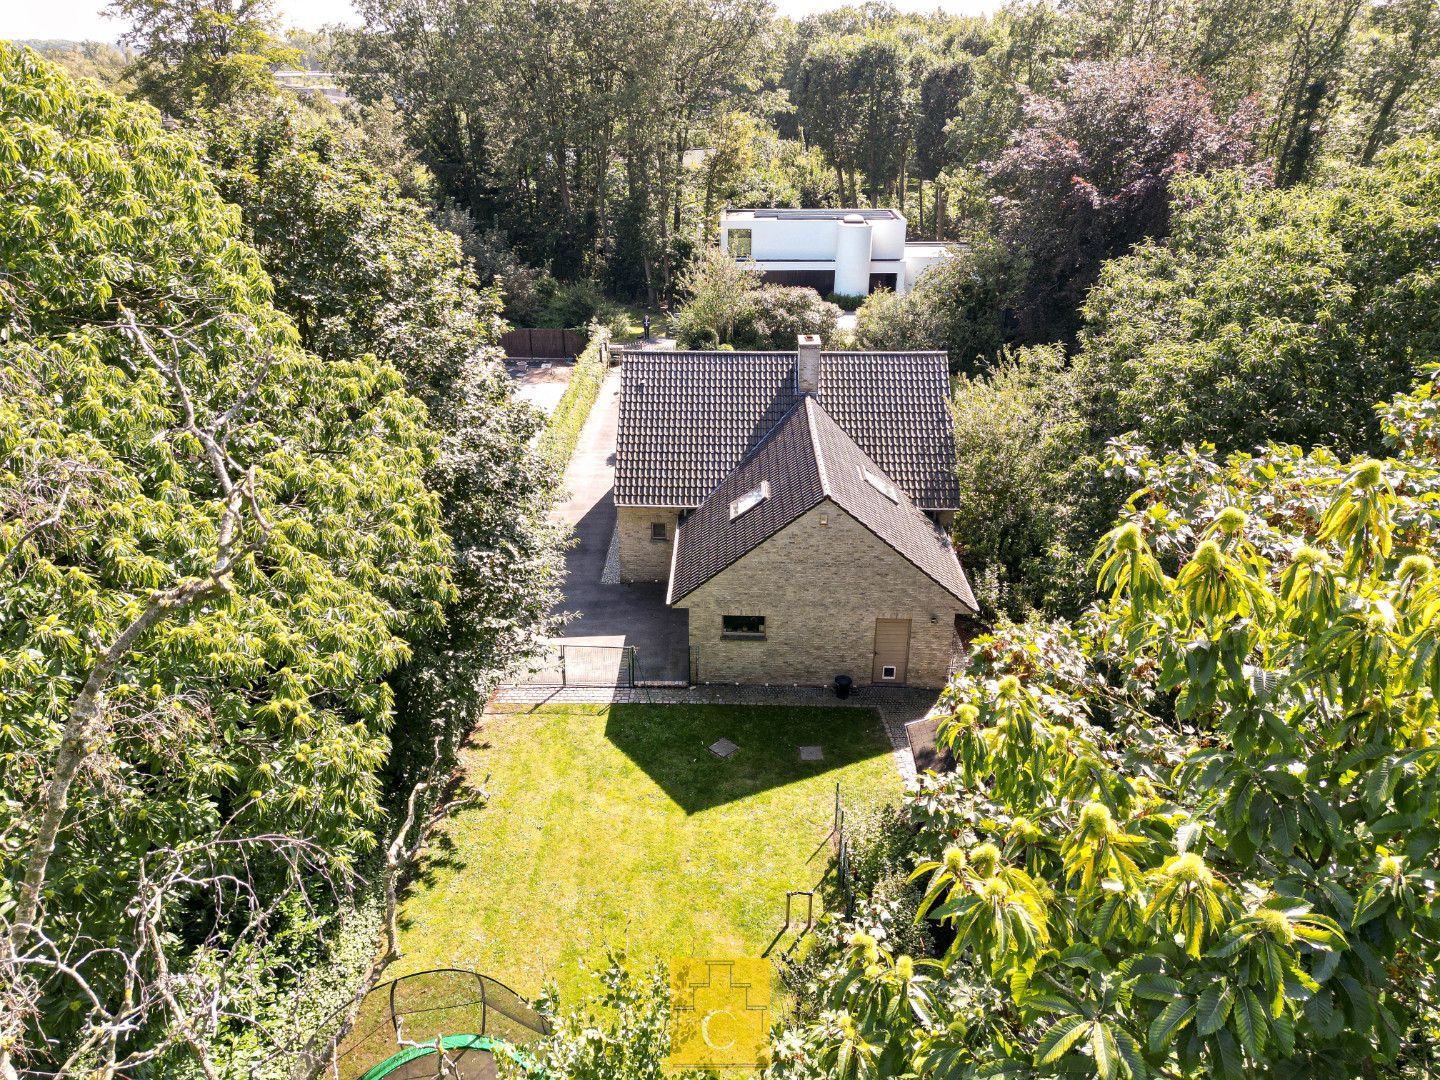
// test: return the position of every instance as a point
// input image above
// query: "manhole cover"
(812, 753)
(723, 748)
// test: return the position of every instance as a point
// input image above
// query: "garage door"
(892, 650)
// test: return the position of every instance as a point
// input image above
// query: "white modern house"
(849, 252)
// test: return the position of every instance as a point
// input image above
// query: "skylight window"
(880, 484)
(751, 499)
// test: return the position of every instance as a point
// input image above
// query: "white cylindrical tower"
(852, 256)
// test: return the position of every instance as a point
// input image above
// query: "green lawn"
(613, 825)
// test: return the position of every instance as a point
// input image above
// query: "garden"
(614, 827)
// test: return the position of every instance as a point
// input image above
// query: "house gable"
(820, 584)
(806, 459)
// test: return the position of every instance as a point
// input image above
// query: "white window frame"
(743, 504)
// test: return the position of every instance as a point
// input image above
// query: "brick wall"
(641, 558)
(820, 587)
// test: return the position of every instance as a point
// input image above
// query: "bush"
(844, 301)
(729, 305)
(571, 306)
(779, 314)
(1027, 477)
(957, 305)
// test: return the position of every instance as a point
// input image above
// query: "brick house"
(796, 504)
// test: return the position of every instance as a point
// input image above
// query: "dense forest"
(272, 523)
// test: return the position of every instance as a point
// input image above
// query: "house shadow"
(670, 743)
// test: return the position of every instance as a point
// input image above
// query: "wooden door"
(892, 651)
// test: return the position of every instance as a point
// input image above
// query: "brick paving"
(897, 706)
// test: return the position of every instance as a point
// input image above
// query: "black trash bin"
(843, 683)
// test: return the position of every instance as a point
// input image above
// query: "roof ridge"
(815, 447)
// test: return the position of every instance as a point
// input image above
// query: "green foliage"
(214, 545)
(202, 54)
(854, 95)
(957, 305)
(562, 429)
(363, 270)
(728, 305)
(526, 113)
(1021, 454)
(1267, 314)
(1271, 314)
(1194, 833)
(628, 1041)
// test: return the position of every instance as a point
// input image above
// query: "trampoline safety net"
(418, 1008)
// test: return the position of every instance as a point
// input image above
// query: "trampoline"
(477, 1020)
(471, 1056)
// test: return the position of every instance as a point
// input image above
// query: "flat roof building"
(847, 252)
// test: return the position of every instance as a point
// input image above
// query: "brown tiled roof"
(804, 460)
(687, 419)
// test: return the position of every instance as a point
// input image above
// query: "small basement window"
(658, 531)
(887, 672)
(751, 499)
(880, 484)
(742, 626)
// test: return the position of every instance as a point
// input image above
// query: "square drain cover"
(723, 748)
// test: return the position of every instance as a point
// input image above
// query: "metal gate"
(581, 665)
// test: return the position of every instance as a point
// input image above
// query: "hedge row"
(562, 431)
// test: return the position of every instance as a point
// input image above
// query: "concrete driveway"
(612, 614)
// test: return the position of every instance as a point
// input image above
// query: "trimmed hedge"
(562, 431)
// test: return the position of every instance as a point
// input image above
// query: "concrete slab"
(723, 748)
(812, 753)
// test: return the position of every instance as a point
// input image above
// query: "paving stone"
(723, 748)
(812, 753)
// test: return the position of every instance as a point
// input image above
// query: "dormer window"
(880, 484)
(751, 499)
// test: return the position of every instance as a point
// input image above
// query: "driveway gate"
(581, 665)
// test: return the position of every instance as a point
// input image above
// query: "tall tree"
(214, 544)
(1089, 175)
(1271, 314)
(361, 270)
(1398, 68)
(1318, 44)
(855, 100)
(199, 54)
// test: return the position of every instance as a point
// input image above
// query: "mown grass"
(615, 827)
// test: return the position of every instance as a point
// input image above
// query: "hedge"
(562, 431)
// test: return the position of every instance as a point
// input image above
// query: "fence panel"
(542, 343)
(581, 665)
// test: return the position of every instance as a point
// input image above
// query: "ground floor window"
(742, 626)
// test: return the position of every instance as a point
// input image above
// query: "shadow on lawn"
(671, 746)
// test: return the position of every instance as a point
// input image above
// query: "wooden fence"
(539, 344)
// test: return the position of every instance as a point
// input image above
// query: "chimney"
(807, 364)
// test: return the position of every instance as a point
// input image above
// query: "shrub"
(562, 430)
(1195, 833)
(957, 305)
(729, 305)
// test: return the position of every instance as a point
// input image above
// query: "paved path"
(612, 614)
(541, 383)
